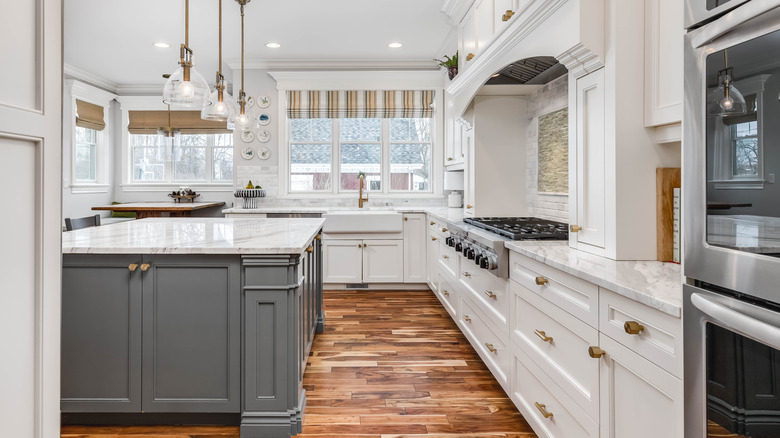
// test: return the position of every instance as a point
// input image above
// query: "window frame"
(169, 168)
(103, 139)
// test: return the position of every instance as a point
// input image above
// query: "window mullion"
(209, 158)
(384, 165)
(335, 145)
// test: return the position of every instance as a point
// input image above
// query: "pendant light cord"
(242, 48)
(187, 23)
(220, 38)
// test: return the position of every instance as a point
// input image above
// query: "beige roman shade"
(188, 122)
(751, 115)
(338, 104)
(89, 116)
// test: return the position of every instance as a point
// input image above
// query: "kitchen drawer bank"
(171, 338)
(576, 353)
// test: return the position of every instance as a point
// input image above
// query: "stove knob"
(492, 262)
(459, 247)
(449, 241)
(483, 263)
(478, 258)
(466, 249)
(470, 254)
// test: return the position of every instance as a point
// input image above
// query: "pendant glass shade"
(243, 122)
(186, 94)
(725, 100)
(219, 111)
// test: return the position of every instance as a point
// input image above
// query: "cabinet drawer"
(558, 343)
(533, 391)
(437, 226)
(483, 339)
(448, 260)
(660, 337)
(448, 296)
(487, 291)
(572, 294)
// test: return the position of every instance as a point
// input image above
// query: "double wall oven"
(731, 218)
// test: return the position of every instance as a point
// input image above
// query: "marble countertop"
(443, 213)
(756, 234)
(194, 236)
(655, 284)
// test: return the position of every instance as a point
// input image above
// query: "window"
(85, 159)
(745, 153)
(397, 151)
(190, 158)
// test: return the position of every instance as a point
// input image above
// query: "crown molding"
(334, 64)
(455, 10)
(358, 80)
(89, 93)
(139, 90)
(71, 72)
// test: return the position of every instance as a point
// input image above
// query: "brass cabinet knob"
(133, 267)
(469, 57)
(145, 267)
(469, 206)
(490, 347)
(406, 218)
(318, 237)
(446, 294)
(445, 256)
(633, 327)
(433, 238)
(466, 318)
(543, 409)
(450, 159)
(365, 245)
(310, 249)
(360, 245)
(596, 352)
(575, 228)
(507, 15)
(443, 230)
(543, 336)
(433, 223)
(467, 275)
(490, 294)
(541, 281)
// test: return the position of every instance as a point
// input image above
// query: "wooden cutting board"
(666, 180)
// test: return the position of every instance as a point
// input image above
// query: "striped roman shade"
(373, 104)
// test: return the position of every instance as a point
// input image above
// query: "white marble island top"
(756, 234)
(655, 284)
(194, 236)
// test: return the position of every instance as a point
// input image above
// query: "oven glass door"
(743, 146)
(743, 386)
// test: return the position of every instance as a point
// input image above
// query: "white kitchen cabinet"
(663, 62)
(638, 399)
(383, 261)
(587, 170)
(432, 253)
(415, 245)
(501, 7)
(454, 154)
(467, 44)
(483, 12)
(342, 261)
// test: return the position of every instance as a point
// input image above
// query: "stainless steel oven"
(732, 365)
(702, 11)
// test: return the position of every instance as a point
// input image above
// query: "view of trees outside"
(410, 154)
(86, 155)
(745, 139)
(310, 154)
(193, 157)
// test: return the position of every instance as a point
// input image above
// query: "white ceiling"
(113, 39)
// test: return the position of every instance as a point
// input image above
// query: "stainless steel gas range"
(482, 239)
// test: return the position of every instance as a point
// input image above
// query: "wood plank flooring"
(389, 365)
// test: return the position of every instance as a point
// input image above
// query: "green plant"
(447, 61)
(361, 174)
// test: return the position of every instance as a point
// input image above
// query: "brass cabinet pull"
(543, 409)
(450, 159)
(575, 228)
(446, 294)
(543, 336)
(466, 318)
(433, 238)
(467, 275)
(406, 218)
(443, 230)
(360, 245)
(433, 223)
(596, 352)
(145, 267)
(490, 294)
(541, 281)
(318, 237)
(133, 267)
(445, 256)
(490, 347)
(310, 249)
(468, 206)
(469, 57)
(633, 327)
(365, 245)
(508, 15)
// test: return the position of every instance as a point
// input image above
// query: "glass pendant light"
(240, 120)
(221, 105)
(168, 131)
(186, 87)
(726, 100)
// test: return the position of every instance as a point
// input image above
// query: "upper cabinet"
(483, 12)
(467, 44)
(664, 66)
(484, 21)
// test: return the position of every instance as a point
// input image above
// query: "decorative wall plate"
(264, 136)
(247, 136)
(264, 153)
(248, 153)
(263, 102)
(250, 102)
(264, 119)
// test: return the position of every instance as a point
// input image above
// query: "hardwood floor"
(389, 365)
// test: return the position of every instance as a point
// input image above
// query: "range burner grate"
(522, 228)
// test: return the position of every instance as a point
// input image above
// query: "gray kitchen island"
(189, 320)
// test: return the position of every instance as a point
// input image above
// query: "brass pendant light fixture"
(240, 120)
(726, 100)
(221, 105)
(186, 87)
(168, 131)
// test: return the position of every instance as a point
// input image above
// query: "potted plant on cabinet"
(451, 63)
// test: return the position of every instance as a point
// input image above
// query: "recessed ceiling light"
(162, 45)
(273, 45)
(395, 45)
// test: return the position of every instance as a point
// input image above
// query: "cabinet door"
(191, 334)
(450, 144)
(589, 209)
(664, 34)
(469, 196)
(415, 245)
(501, 8)
(638, 399)
(484, 14)
(468, 40)
(342, 261)
(383, 261)
(101, 334)
(433, 258)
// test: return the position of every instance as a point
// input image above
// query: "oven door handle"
(741, 317)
